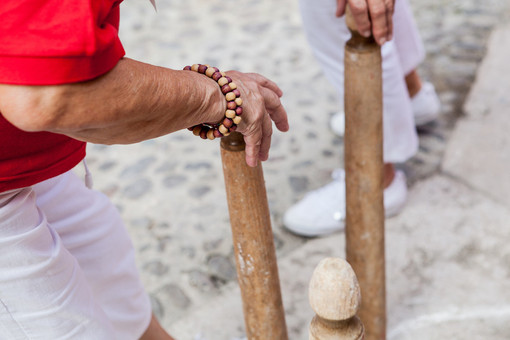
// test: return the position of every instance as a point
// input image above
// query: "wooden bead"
(210, 71)
(226, 89)
(230, 96)
(230, 114)
(187, 68)
(202, 69)
(217, 134)
(234, 109)
(227, 122)
(231, 105)
(222, 81)
(196, 130)
(216, 75)
(223, 130)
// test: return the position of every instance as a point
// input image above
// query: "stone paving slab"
(478, 150)
(447, 273)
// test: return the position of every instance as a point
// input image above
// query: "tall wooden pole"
(364, 177)
(254, 249)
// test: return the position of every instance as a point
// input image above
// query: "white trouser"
(67, 266)
(327, 36)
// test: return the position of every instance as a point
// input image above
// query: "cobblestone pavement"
(171, 191)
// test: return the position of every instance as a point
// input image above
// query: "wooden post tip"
(334, 292)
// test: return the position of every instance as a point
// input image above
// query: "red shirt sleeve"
(45, 42)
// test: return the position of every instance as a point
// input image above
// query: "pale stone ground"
(447, 256)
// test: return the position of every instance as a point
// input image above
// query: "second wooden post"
(364, 178)
(254, 249)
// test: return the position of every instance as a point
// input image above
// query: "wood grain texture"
(364, 179)
(334, 296)
(254, 248)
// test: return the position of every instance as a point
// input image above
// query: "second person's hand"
(371, 16)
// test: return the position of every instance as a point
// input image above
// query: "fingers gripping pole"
(364, 177)
(253, 243)
(335, 297)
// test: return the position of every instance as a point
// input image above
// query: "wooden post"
(253, 243)
(335, 297)
(364, 177)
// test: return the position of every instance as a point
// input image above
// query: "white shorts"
(327, 36)
(67, 266)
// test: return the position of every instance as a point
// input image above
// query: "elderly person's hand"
(261, 104)
(371, 17)
(137, 101)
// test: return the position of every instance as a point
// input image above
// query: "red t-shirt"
(47, 42)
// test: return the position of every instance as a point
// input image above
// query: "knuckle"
(358, 9)
(357, 6)
(378, 10)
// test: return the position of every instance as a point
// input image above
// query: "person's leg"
(409, 45)
(43, 292)
(323, 211)
(407, 38)
(424, 99)
(155, 331)
(93, 232)
(413, 83)
(327, 36)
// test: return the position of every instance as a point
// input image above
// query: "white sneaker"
(337, 123)
(322, 211)
(425, 105)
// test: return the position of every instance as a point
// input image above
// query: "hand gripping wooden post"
(335, 297)
(364, 177)
(254, 249)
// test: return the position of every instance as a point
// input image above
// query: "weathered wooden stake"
(252, 235)
(335, 297)
(364, 177)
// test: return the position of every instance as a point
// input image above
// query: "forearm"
(131, 103)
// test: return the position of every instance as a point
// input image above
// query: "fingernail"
(366, 34)
(382, 41)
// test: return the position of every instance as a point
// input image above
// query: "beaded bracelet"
(234, 102)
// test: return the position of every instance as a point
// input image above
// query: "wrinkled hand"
(371, 16)
(261, 106)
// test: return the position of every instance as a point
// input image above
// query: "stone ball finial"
(334, 291)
